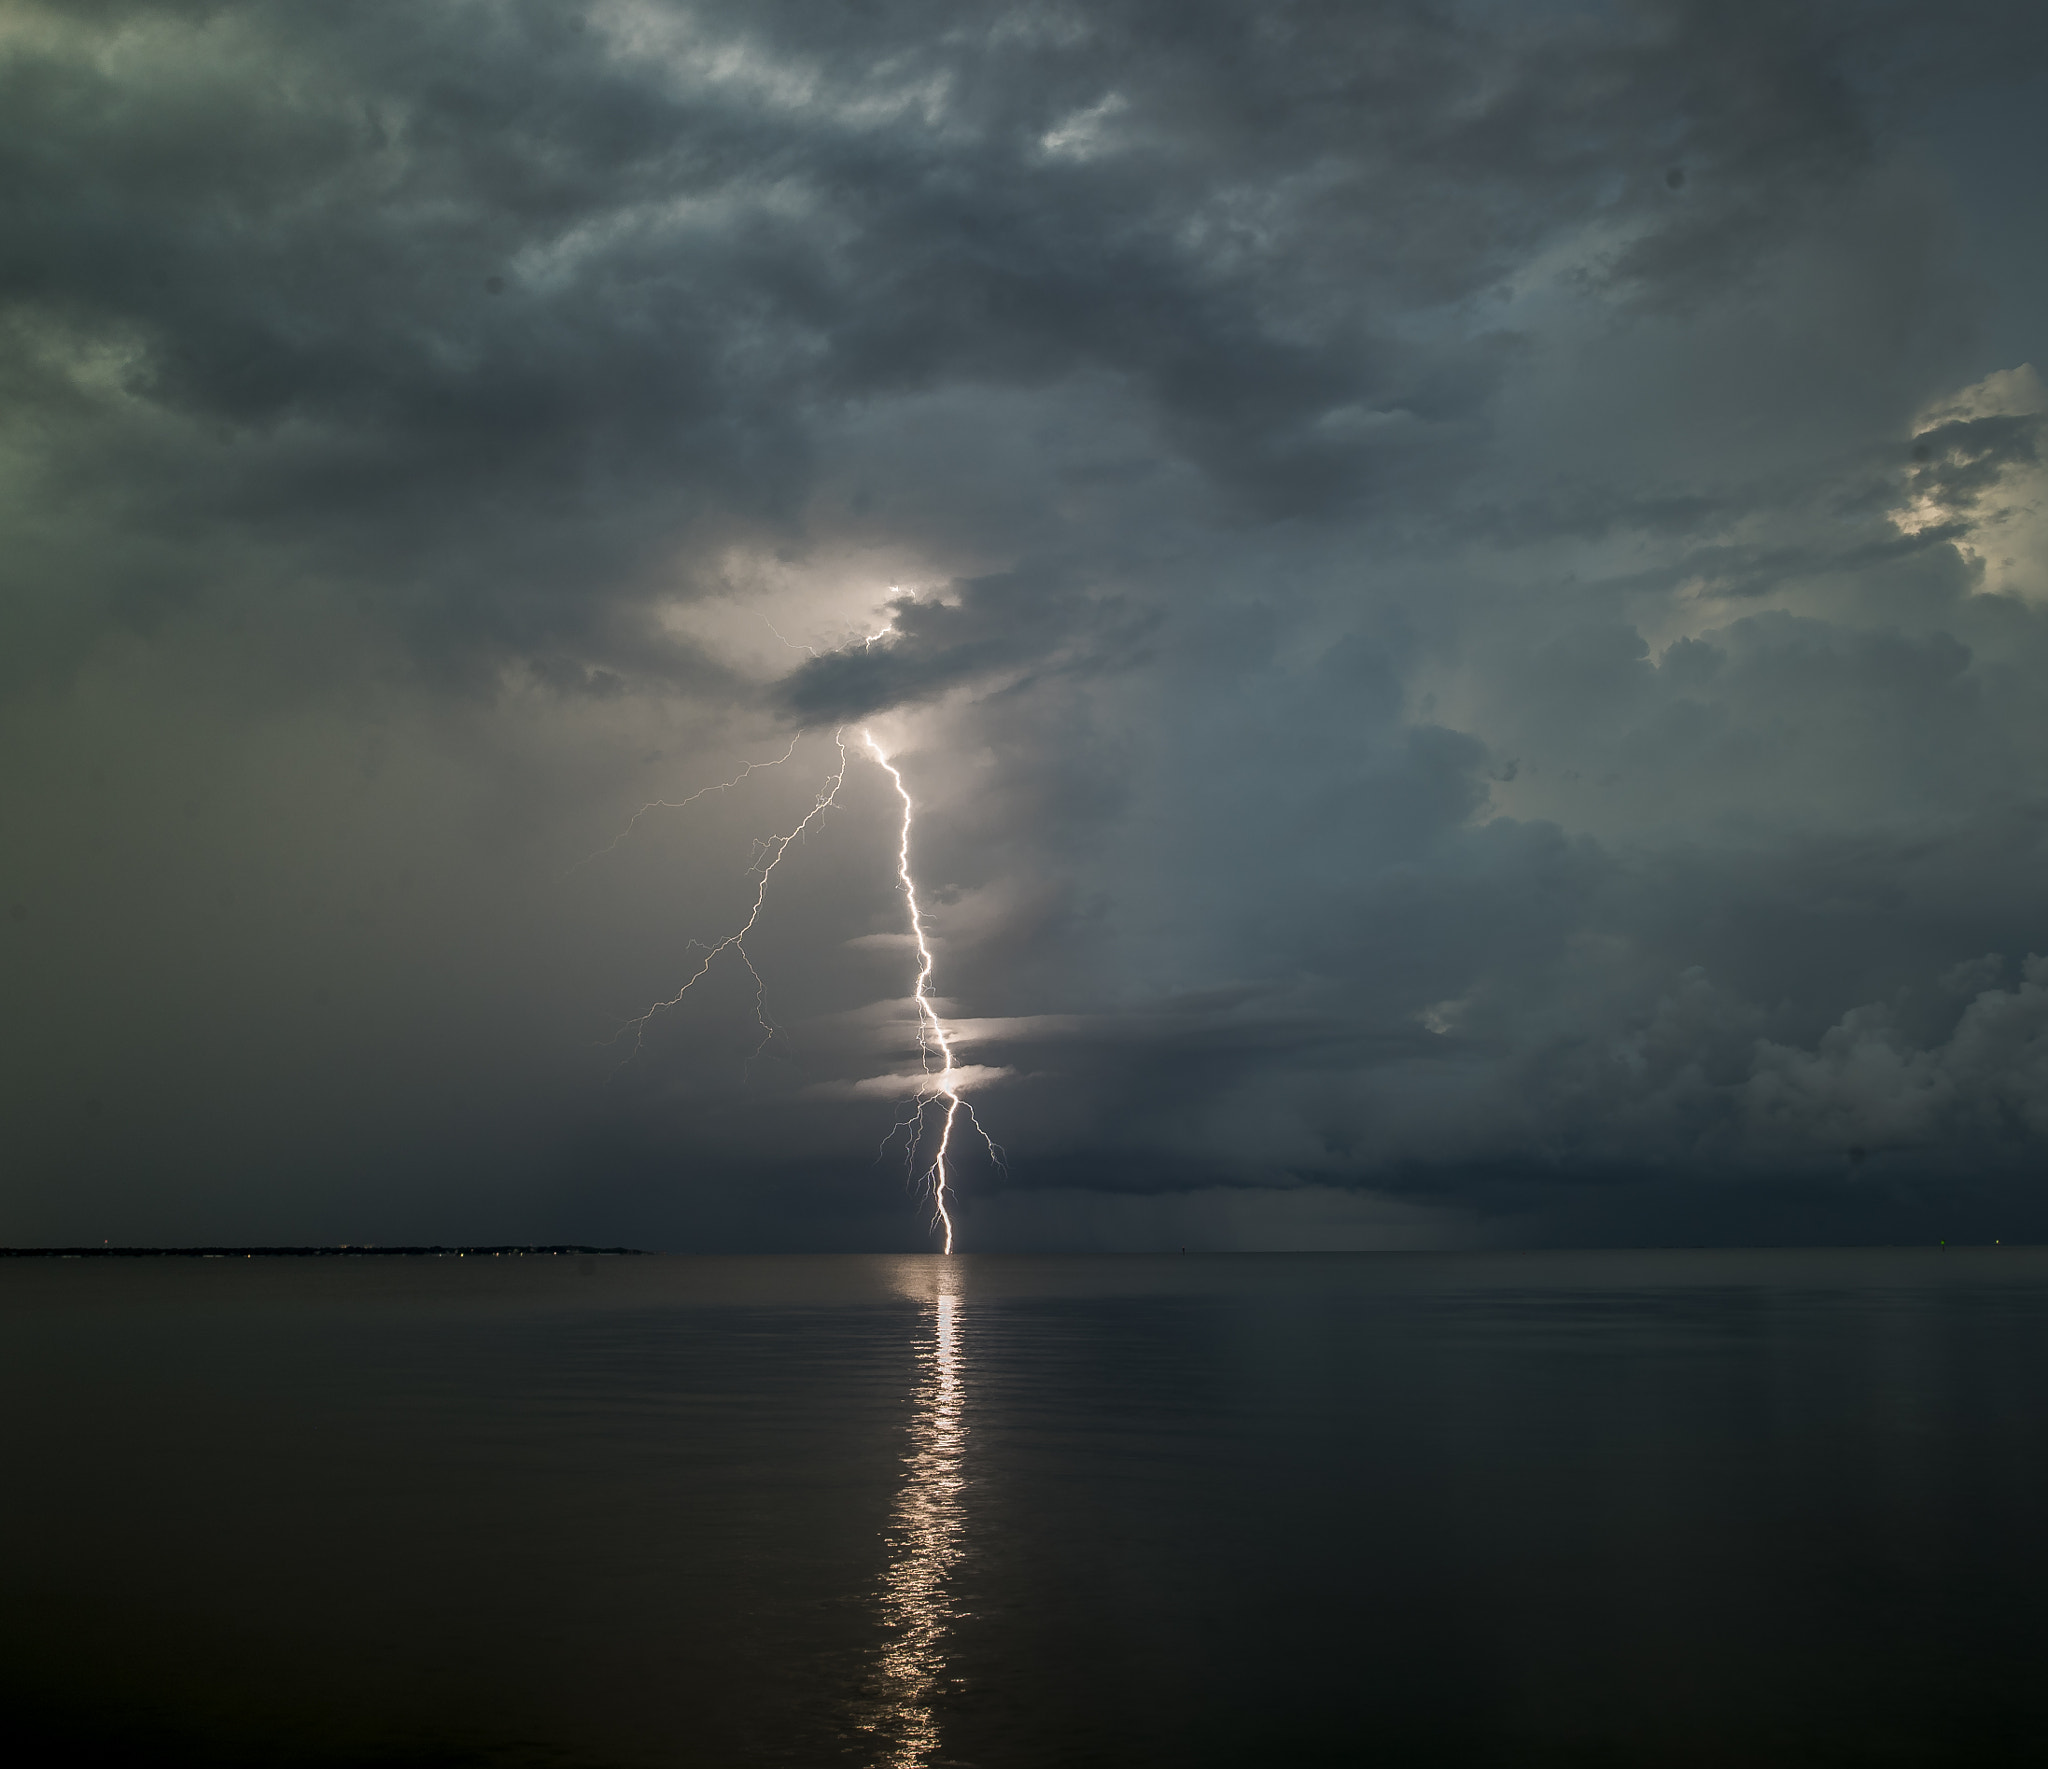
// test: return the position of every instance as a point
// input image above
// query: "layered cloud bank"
(1463, 592)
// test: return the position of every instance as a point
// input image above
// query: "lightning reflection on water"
(926, 1539)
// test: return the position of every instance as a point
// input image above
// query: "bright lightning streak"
(773, 850)
(941, 1084)
(931, 1030)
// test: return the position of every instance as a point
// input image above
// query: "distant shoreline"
(342, 1252)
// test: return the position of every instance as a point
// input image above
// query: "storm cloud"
(1462, 591)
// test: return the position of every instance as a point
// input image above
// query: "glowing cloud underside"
(941, 1088)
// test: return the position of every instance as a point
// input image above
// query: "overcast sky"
(1465, 588)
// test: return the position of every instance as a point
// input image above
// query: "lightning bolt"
(932, 1035)
(767, 857)
(942, 1086)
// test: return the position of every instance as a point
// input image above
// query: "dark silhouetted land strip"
(342, 1252)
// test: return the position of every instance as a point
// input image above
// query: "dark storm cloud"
(1475, 624)
(1016, 624)
(498, 301)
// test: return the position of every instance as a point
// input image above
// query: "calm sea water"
(1688, 1508)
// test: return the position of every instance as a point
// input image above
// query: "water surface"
(1687, 1508)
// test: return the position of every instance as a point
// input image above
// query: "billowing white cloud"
(1982, 481)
